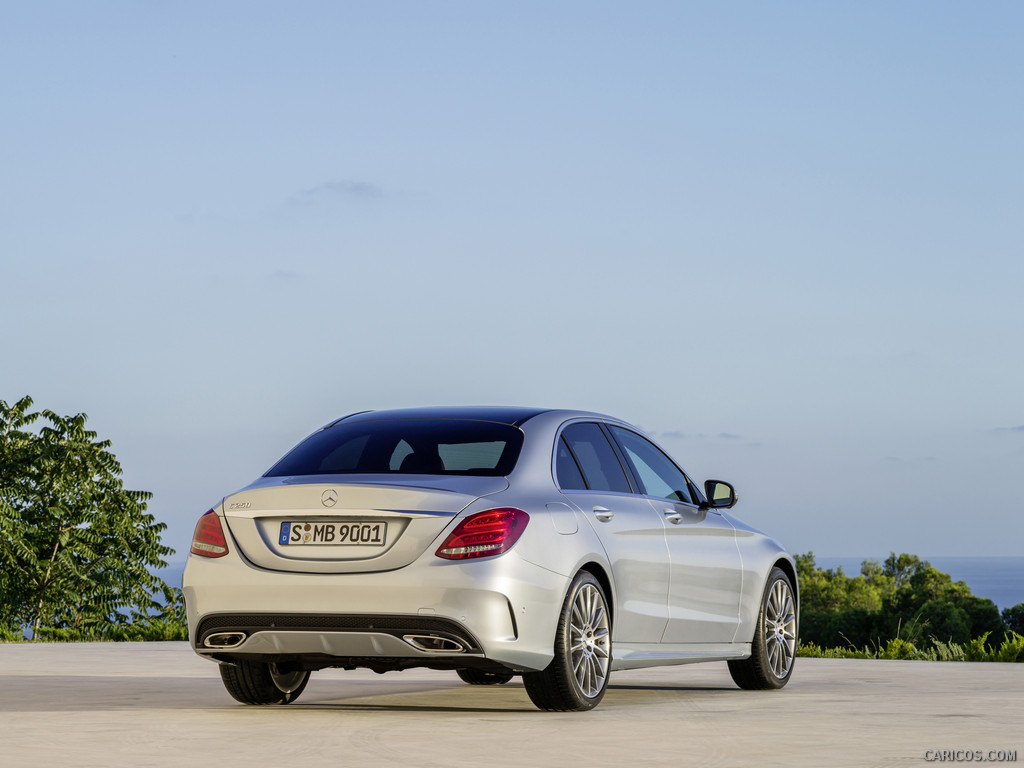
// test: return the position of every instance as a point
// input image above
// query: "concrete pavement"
(157, 704)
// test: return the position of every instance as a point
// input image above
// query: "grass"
(1011, 650)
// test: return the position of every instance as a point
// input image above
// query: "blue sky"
(784, 238)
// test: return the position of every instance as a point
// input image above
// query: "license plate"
(334, 534)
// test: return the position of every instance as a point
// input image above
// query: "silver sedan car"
(555, 545)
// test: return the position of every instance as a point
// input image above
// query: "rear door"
(706, 569)
(630, 529)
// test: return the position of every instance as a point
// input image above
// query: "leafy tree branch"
(77, 549)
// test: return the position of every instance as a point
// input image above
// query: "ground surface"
(157, 704)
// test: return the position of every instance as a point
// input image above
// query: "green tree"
(905, 598)
(900, 568)
(1014, 618)
(944, 621)
(77, 549)
(983, 615)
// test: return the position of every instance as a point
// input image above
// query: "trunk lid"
(347, 523)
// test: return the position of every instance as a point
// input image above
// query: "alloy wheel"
(287, 682)
(589, 640)
(780, 628)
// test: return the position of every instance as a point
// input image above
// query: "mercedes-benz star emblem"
(329, 497)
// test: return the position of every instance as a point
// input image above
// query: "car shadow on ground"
(79, 693)
(673, 688)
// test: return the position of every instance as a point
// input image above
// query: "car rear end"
(386, 569)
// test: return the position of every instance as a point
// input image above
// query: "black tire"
(255, 682)
(479, 677)
(577, 678)
(773, 651)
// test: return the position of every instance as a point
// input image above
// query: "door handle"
(603, 514)
(672, 516)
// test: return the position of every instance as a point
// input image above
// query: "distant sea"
(175, 568)
(1000, 579)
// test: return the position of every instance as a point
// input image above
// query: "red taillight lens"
(484, 534)
(209, 540)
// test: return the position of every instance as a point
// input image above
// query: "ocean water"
(1000, 579)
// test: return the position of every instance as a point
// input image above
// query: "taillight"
(484, 534)
(209, 539)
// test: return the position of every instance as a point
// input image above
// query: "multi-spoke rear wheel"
(577, 677)
(774, 648)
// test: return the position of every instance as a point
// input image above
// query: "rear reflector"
(209, 540)
(484, 534)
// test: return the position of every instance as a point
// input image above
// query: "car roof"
(514, 416)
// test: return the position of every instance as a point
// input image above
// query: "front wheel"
(577, 677)
(774, 648)
(255, 682)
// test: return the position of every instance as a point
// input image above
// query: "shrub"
(814, 651)
(979, 649)
(10, 634)
(1012, 649)
(947, 651)
(899, 649)
(138, 631)
(976, 650)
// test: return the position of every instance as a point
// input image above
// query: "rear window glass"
(406, 446)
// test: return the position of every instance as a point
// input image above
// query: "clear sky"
(784, 238)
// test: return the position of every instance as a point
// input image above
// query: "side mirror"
(721, 495)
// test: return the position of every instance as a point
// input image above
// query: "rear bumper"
(500, 610)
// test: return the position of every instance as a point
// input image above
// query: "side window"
(596, 458)
(657, 473)
(566, 470)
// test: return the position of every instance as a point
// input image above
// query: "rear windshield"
(406, 447)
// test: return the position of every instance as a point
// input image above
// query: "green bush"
(812, 651)
(1012, 649)
(10, 634)
(947, 651)
(141, 631)
(167, 624)
(977, 650)
(899, 649)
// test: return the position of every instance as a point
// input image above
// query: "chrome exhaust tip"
(434, 644)
(224, 640)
